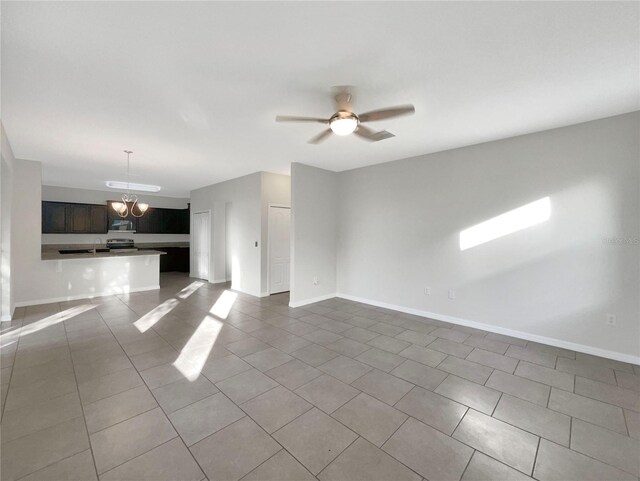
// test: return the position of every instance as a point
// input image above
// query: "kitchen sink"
(81, 251)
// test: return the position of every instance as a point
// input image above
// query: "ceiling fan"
(345, 121)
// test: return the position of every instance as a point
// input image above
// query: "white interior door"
(279, 255)
(201, 231)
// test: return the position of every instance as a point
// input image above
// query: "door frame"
(192, 250)
(280, 206)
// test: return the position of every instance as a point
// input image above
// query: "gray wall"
(399, 227)
(7, 162)
(314, 209)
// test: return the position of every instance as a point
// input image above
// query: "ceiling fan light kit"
(345, 122)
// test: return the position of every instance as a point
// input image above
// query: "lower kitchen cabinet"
(176, 259)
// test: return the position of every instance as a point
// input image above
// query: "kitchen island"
(87, 275)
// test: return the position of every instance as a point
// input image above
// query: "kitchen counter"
(54, 255)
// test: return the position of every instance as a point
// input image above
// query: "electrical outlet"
(452, 294)
(427, 291)
(611, 319)
(315, 281)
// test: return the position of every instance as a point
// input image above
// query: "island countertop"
(54, 255)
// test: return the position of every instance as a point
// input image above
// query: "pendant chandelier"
(129, 201)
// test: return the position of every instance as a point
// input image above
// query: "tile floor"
(188, 383)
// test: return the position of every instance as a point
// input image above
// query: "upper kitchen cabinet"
(69, 218)
(150, 222)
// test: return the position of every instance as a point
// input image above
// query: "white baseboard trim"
(36, 302)
(218, 281)
(244, 291)
(5, 318)
(596, 351)
(312, 300)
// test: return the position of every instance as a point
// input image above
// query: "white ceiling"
(193, 88)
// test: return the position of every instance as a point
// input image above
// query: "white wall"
(7, 162)
(314, 211)
(399, 226)
(276, 190)
(66, 194)
(241, 198)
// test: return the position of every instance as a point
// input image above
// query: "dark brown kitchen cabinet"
(149, 223)
(54, 218)
(70, 218)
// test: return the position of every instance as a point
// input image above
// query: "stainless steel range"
(121, 245)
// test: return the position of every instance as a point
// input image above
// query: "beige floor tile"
(119, 407)
(428, 452)
(432, 409)
(29, 375)
(161, 375)
(128, 439)
(556, 463)
(25, 359)
(465, 369)
(624, 398)
(362, 461)
(322, 337)
(423, 355)
(32, 418)
(491, 359)
(483, 468)
(372, 419)
(419, 374)
(450, 334)
(293, 374)
(536, 419)
(633, 423)
(280, 467)
(386, 329)
(508, 339)
(102, 367)
(289, 343)
(487, 344)
(586, 369)
(348, 347)
(275, 408)
(383, 360)
(315, 439)
(614, 449)
(168, 462)
(383, 386)
(247, 385)
(327, 393)
(203, 418)
(183, 392)
(545, 375)
(78, 467)
(314, 355)
(345, 369)
(147, 360)
(629, 381)
(590, 410)
(40, 391)
(499, 440)
(389, 344)
(451, 347)
(601, 361)
(35, 451)
(234, 451)
(535, 357)
(115, 383)
(519, 387)
(246, 347)
(415, 337)
(225, 367)
(267, 359)
(359, 334)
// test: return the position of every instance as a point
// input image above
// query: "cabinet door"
(149, 223)
(80, 217)
(54, 217)
(115, 222)
(185, 221)
(170, 221)
(98, 219)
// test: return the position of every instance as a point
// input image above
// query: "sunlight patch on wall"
(513, 221)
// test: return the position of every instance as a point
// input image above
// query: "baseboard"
(312, 300)
(5, 318)
(218, 281)
(596, 351)
(244, 291)
(36, 302)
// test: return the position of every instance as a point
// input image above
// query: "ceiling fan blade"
(372, 136)
(343, 95)
(386, 113)
(321, 136)
(293, 118)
